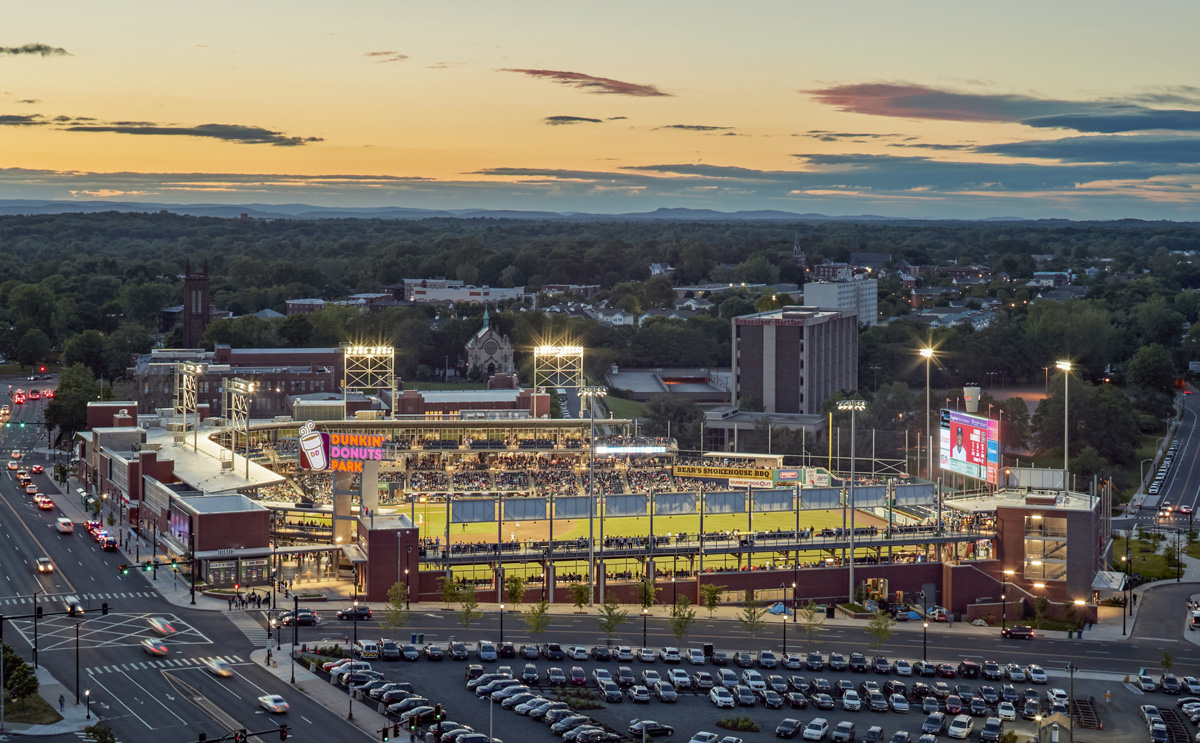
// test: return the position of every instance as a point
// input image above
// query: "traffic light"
(383, 734)
(283, 732)
(124, 569)
(395, 730)
(146, 566)
(41, 368)
(412, 724)
(240, 736)
(175, 564)
(437, 713)
(104, 609)
(37, 612)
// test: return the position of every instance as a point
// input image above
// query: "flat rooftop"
(200, 468)
(219, 504)
(1031, 499)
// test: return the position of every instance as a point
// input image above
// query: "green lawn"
(1144, 559)
(622, 408)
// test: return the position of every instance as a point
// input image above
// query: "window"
(1045, 547)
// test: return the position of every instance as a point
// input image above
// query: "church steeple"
(487, 323)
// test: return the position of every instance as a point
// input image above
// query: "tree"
(1167, 661)
(99, 733)
(537, 618)
(710, 596)
(449, 591)
(580, 594)
(396, 611)
(468, 607)
(1151, 368)
(612, 616)
(811, 620)
(20, 680)
(514, 588)
(752, 617)
(682, 616)
(647, 592)
(880, 628)
(32, 347)
(87, 348)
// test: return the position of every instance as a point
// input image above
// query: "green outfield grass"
(622, 408)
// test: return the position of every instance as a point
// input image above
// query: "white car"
(273, 703)
(903, 668)
(161, 626)
(1058, 695)
(601, 676)
(721, 697)
(961, 727)
(1015, 673)
(695, 656)
(679, 678)
(704, 737)
(624, 653)
(1036, 675)
(1146, 683)
(669, 655)
(754, 680)
(793, 662)
(1192, 684)
(898, 703)
(218, 667)
(646, 655)
(816, 730)
(154, 647)
(851, 701)
(577, 652)
(1006, 711)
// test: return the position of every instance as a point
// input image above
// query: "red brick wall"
(101, 415)
(216, 531)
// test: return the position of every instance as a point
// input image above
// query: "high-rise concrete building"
(793, 359)
(860, 296)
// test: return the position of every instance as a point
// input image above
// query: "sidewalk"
(74, 715)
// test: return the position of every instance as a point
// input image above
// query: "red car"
(37, 469)
(48, 393)
(946, 671)
(577, 676)
(953, 704)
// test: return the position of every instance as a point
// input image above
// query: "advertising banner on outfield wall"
(674, 504)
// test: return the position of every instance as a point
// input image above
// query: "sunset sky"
(922, 109)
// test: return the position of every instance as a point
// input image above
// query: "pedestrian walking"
(62, 703)
(231, 603)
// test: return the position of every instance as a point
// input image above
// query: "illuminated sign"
(723, 473)
(970, 445)
(337, 452)
(784, 475)
(604, 449)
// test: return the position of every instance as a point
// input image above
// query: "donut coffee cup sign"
(337, 452)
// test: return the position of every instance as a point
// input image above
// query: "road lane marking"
(302, 717)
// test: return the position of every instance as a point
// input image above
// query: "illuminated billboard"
(970, 445)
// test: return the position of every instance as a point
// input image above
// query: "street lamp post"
(795, 596)
(854, 406)
(1004, 599)
(785, 634)
(501, 624)
(924, 640)
(927, 354)
(356, 620)
(87, 695)
(1072, 668)
(590, 394)
(295, 634)
(645, 611)
(407, 590)
(1065, 368)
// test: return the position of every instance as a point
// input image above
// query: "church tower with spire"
(489, 350)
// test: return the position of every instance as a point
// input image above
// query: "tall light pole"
(501, 624)
(854, 406)
(590, 394)
(645, 611)
(927, 354)
(1065, 368)
(1008, 574)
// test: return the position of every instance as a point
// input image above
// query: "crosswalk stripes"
(86, 736)
(253, 631)
(18, 600)
(165, 663)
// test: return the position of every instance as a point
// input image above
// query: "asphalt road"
(146, 699)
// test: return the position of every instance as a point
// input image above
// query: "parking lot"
(444, 682)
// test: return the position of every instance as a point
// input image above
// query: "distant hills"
(305, 211)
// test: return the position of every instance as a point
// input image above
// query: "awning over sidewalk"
(354, 554)
(1108, 580)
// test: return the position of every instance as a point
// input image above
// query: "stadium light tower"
(1065, 368)
(854, 406)
(927, 354)
(590, 394)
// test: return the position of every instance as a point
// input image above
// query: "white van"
(367, 649)
(65, 526)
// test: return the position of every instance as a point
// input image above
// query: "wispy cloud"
(695, 127)
(29, 100)
(566, 120)
(22, 120)
(590, 83)
(225, 132)
(42, 50)
(823, 135)
(382, 57)
(1101, 116)
(1140, 148)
